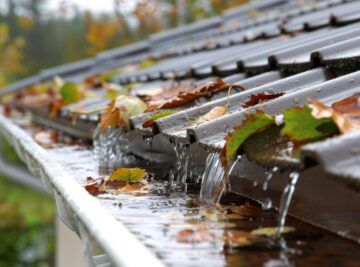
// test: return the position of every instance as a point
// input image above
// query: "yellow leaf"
(270, 231)
(129, 175)
(214, 113)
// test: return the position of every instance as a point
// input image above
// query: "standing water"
(286, 199)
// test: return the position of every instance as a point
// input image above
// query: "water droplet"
(296, 100)
(352, 80)
(318, 90)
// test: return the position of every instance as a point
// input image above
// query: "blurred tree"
(10, 56)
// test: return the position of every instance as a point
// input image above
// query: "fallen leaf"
(205, 90)
(253, 123)
(150, 122)
(46, 138)
(97, 187)
(345, 113)
(271, 231)
(110, 118)
(70, 92)
(301, 127)
(214, 113)
(146, 63)
(129, 175)
(260, 98)
(238, 238)
(194, 236)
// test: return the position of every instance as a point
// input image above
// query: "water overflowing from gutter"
(286, 200)
(215, 179)
(110, 148)
(179, 174)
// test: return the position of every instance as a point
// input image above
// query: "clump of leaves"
(255, 99)
(253, 123)
(301, 127)
(120, 110)
(194, 236)
(128, 175)
(150, 122)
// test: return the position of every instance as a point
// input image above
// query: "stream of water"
(286, 200)
(110, 148)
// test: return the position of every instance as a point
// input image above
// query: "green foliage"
(26, 225)
(9, 152)
(301, 127)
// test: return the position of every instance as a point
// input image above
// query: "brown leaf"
(96, 187)
(55, 108)
(194, 236)
(214, 113)
(345, 113)
(255, 99)
(205, 90)
(110, 118)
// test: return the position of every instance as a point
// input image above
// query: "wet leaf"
(120, 110)
(301, 127)
(150, 122)
(271, 231)
(96, 187)
(214, 113)
(345, 113)
(107, 76)
(253, 123)
(129, 175)
(194, 236)
(184, 97)
(114, 90)
(70, 92)
(147, 63)
(255, 99)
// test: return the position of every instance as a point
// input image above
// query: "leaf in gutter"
(301, 127)
(110, 118)
(150, 122)
(214, 113)
(345, 113)
(146, 63)
(184, 97)
(255, 99)
(129, 175)
(70, 92)
(271, 231)
(253, 123)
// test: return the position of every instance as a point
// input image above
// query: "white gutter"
(77, 208)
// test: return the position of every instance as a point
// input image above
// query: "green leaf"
(129, 175)
(270, 231)
(162, 114)
(70, 92)
(150, 121)
(107, 76)
(253, 123)
(301, 127)
(147, 63)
